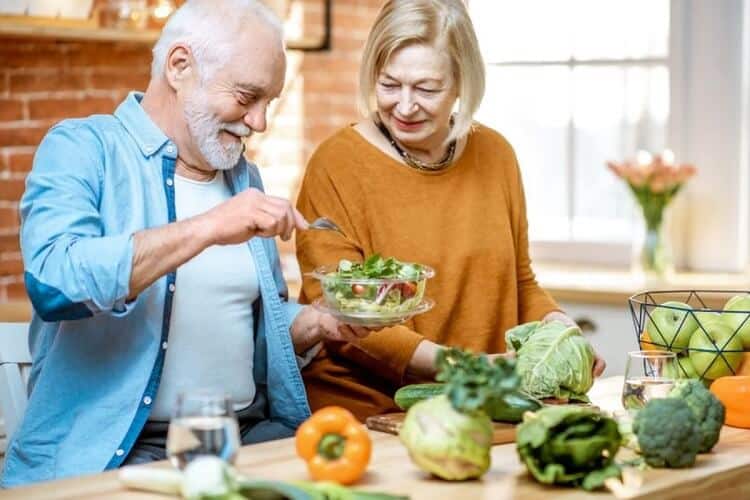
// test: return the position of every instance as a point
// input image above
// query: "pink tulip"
(637, 177)
(658, 172)
(686, 171)
(617, 169)
(658, 184)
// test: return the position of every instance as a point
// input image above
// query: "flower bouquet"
(654, 182)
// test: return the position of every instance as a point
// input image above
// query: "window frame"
(704, 38)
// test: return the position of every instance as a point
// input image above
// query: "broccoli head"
(668, 433)
(706, 407)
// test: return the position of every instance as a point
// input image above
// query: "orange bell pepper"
(335, 445)
(734, 392)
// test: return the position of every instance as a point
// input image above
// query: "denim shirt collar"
(139, 125)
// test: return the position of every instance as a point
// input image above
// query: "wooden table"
(723, 474)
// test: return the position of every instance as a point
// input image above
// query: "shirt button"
(171, 287)
(170, 149)
(120, 452)
(164, 345)
(147, 400)
(169, 181)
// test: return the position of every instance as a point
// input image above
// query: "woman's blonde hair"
(441, 23)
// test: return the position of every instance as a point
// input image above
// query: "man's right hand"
(252, 213)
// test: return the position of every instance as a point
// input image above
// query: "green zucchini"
(511, 407)
(409, 395)
(508, 408)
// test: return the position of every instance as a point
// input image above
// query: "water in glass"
(203, 424)
(645, 378)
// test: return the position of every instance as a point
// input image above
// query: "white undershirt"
(211, 342)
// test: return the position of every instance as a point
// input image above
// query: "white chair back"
(15, 364)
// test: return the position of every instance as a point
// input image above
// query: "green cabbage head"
(445, 442)
(553, 360)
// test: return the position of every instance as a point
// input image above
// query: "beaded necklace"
(415, 162)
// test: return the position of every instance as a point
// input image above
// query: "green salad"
(376, 285)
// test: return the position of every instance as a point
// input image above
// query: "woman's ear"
(179, 68)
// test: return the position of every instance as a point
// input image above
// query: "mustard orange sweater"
(468, 222)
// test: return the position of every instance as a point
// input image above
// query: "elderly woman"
(420, 182)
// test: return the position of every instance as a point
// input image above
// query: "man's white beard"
(205, 128)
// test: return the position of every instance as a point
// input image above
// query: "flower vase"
(652, 252)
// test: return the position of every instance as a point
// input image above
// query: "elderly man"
(147, 242)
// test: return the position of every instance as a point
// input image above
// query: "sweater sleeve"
(331, 188)
(533, 301)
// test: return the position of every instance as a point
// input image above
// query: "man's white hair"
(210, 29)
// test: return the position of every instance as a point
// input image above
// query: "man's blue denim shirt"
(97, 359)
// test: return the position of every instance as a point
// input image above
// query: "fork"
(326, 224)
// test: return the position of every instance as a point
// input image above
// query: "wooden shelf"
(88, 30)
(77, 33)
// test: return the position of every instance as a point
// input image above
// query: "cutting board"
(391, 422)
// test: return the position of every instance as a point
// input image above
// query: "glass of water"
(203, 424)
(645, 378)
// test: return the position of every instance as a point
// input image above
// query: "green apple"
(670, 325)
(708, 359)
(735, 319)
(705, 317)
(680, 367)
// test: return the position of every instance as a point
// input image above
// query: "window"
(572, 85)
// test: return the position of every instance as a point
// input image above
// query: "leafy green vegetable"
(325, 490)
(210, 478)
(377, 267)
(668, 433)
(708, 410)
(554, 360)
(569, 445)
(367, 287)
(472, 381)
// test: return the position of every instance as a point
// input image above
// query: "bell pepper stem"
(331, 446)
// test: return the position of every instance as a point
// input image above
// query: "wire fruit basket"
(708, 330)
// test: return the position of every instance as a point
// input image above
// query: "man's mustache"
(237, 128)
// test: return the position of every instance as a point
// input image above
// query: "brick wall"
(43, 81)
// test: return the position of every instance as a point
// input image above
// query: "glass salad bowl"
(375, 293)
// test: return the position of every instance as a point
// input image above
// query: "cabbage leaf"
(553, 360)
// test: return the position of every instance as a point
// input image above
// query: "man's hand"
(160, 250)
(599, 364)
(252, 213)
(311, 326)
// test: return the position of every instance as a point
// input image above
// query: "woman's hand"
(559, 316)
(311, 326)
(599, 364)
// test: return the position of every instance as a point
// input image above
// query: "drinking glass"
(203, 424)
(645, 378)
